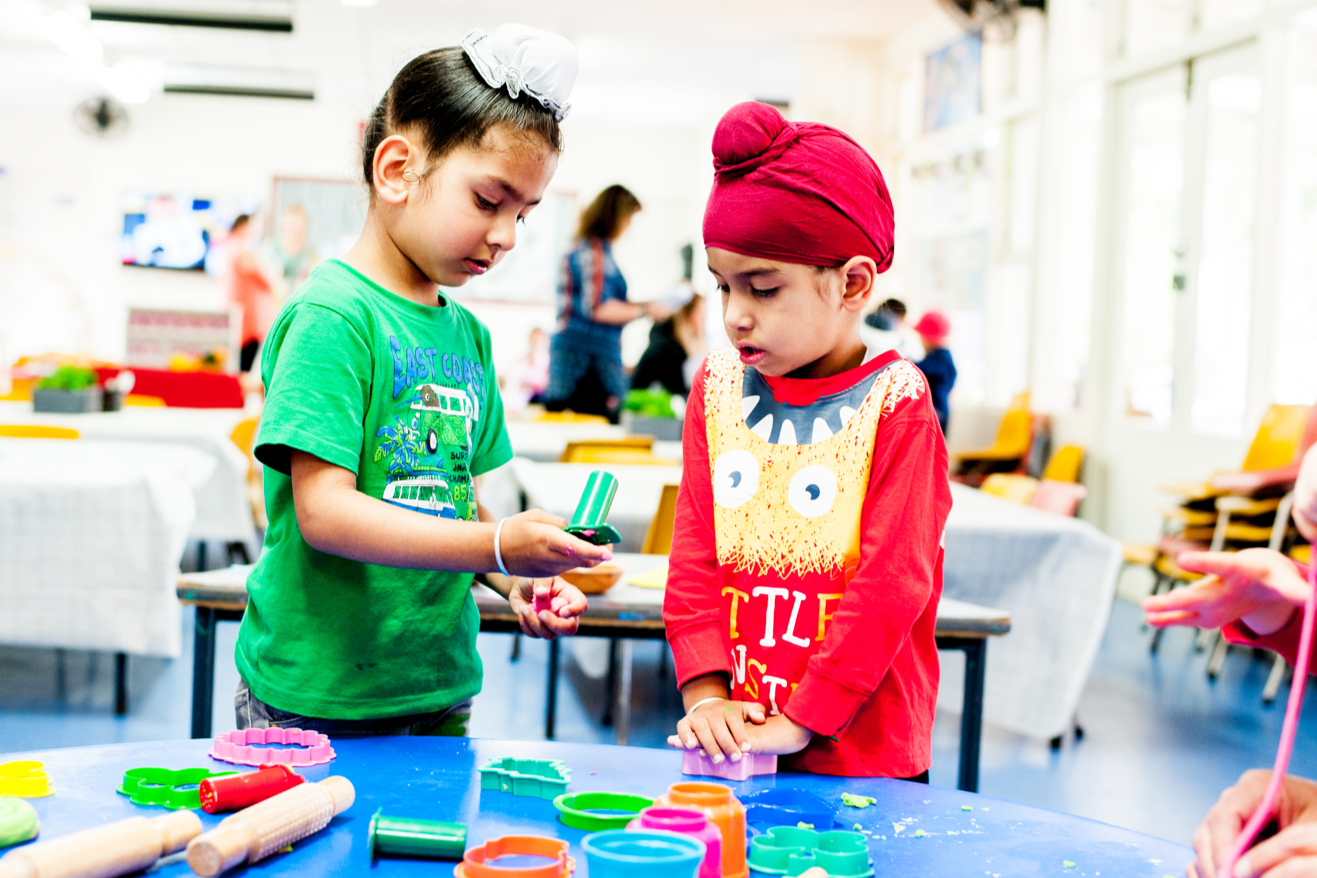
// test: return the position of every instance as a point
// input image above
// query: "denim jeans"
(252, 713)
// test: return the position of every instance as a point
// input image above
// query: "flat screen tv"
(177, 231)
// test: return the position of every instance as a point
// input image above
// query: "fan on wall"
(101, 117)
(991, 17)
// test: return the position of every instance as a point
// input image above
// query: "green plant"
(68, 378)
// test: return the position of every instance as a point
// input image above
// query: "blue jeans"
(252, 713)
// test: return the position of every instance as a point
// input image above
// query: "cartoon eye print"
(735, 478)
(812, 491)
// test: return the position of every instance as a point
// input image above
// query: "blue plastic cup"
(617, 853)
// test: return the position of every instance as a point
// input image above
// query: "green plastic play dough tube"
(402, 836)
(596, 500)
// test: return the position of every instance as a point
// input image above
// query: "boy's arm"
(335, 518)
(905, 512)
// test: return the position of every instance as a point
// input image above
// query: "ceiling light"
(72, 37)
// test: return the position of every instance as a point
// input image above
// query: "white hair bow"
(521, 58)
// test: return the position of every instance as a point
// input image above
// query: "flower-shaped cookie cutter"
(162, 786)
(476, 862)
(25, 779)
(235, 747)
(790, 850)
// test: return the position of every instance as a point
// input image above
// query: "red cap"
(236, 791)
(934, 325)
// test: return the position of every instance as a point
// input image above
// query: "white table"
(223, 509)
(557, 487)
(546, 440)
(1056, 576)
(91, 534)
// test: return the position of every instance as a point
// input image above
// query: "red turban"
(795, 192)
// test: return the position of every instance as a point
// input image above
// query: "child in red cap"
(806, 563)
(938, 367)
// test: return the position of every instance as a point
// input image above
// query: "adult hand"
(718, 729)
(561, 618)
(779, 736)
(534, 544)
(1291, 853)
(1259, 586)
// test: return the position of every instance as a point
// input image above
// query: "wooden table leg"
(203, 672)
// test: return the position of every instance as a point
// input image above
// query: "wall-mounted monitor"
(164, 230)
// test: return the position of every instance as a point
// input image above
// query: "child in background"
(382, 408)
(937, 365)
(806, 563)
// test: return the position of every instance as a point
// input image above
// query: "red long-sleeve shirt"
(851, 654)
(1285, 641)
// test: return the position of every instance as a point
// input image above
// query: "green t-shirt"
(404, 396)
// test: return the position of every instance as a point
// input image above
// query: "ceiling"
(659, 61)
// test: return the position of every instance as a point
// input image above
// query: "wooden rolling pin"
(256, 832)
(104, 852)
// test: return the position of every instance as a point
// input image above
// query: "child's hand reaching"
(779, 736)
(534, 544)
(718, 729)
(1258, 586)
(565, 605)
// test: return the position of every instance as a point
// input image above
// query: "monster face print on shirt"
(438, 399)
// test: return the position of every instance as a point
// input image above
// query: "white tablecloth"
(1056, 576)
(223, 507)
(91, 534)
(557, 487)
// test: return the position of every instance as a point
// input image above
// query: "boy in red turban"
(806, 564)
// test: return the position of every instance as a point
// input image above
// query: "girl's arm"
(335, 518)
(1259, 587)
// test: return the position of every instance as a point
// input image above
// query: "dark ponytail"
(441, 95)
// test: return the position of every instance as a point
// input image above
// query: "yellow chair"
(244, 436)
(1065, 464)
(637, 450)
(142, 401)
(1285, 432)
(1007, 452)
(20, 391)
(658, 541)
(37, 431)
(1010, 486)
(569, 417)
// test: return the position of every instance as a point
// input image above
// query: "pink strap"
(1267, 806)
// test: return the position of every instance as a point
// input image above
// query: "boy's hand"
(566, 604)
(534, 544)
(1295, 845)
(718, 729)
(1259, 586)
(779, 736)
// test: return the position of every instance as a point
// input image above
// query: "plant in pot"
(68, 390)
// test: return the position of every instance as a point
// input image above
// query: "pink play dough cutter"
(236, 747)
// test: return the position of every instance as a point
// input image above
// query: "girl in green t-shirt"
(382, 408)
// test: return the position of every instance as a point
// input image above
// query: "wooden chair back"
(37, 431)
(1279, 437)
(659, 539)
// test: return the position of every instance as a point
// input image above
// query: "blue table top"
(437, 779)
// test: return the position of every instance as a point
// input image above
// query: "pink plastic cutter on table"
(235, 747)
(751, 764)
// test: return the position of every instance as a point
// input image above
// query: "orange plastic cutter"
(473, 865)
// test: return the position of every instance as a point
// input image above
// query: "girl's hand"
(1292, 851)
(534, 544)
(1259, 586)
(779, 736)
(566, 605)
(718, 729)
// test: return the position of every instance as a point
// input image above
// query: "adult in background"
(676, 349)
(246, 286)
(937, 366)
(585, 357)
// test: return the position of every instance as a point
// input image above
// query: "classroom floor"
(1161, 740)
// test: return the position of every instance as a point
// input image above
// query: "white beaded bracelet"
(703, 701)
(498, 554)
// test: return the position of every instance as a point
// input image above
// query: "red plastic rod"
(243, 790)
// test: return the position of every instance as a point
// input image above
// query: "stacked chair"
(1237, 510)
(1057, 491)
(1007, 453)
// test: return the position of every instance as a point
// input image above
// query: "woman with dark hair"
(585, 359)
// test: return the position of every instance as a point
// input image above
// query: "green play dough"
(855, 801)
(18, 822)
